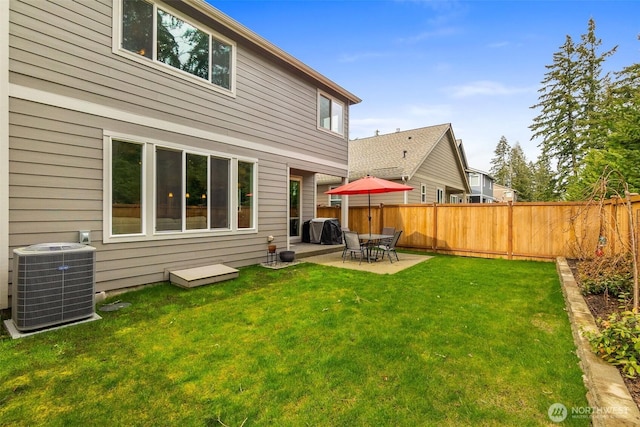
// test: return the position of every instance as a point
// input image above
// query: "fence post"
(510, 230)
(434, 239)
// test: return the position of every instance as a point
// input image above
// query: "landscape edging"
(609, 399)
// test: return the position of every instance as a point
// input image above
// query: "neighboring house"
(504, 194)
(171, 133)
(429, 159)
(481, 186)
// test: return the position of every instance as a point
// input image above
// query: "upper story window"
(330, 114)
(474, 180)
(161, 36)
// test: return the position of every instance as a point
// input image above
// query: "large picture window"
(190, 191)
(179, 44)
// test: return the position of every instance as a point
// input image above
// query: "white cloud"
(486, 87)
(425, 35)
(356, 57)
(406, 117)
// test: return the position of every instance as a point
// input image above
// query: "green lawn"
(450, 342)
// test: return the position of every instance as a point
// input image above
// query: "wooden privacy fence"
(541, 231)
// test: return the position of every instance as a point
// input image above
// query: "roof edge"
(272, 49)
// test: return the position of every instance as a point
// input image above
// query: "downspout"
(4, 154)
(405, 196)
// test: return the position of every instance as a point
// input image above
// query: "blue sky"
(414, 63)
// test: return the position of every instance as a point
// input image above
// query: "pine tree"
(520, 173)
(500, 167)
(560, 108)
(542, 180)
(592, 87)
(570, 119)
(620, 121)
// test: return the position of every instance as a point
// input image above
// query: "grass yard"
(450, 342)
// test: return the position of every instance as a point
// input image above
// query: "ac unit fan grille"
(53, 288)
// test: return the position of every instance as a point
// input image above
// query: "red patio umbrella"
(369, 185)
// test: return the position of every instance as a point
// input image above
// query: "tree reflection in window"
(221, 64)
(137, 27)
(178, 43)
(245, 195)
(126, 188)
(182, 46)
(219, 193)
(196, 196)
(168, 189)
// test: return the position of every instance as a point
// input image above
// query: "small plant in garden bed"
(609, 276)
(619, 341)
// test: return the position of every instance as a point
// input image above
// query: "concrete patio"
(331, 255)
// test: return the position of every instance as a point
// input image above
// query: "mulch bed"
(602, 307)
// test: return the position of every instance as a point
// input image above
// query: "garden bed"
(601, 307)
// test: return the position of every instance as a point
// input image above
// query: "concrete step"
(198, 276)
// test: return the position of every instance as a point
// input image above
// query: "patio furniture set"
(370, 245)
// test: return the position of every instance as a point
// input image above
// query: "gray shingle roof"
(393, 155)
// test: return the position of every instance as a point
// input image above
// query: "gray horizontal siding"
(56, 157)
(272, 105)
(53, 196)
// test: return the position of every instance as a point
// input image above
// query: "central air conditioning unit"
(53, 283)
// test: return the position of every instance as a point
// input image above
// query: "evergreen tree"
(620, 121)
(542, 180)
(500, 166)
(520, 174)
(556, 123)
(570, 119)
(591, 88)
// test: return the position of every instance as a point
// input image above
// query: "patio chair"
(389, 231)
(353, 247)
(386, 249)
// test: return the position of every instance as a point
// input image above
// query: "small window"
(126, 188)
(245, 195)
(423, 193)
(219, 194)
(330, 114)
(168, 190)
(474, 180)
(439, 195)
(334, 199)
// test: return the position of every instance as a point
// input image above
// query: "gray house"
(481, 186)
(429, 159)
(172, 134)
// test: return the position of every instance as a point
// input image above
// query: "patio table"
(371, 240)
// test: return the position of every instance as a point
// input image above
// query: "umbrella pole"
(369, 213)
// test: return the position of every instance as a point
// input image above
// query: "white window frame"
(423, 193)
(154, 63)
(332, 101)
(439, 195)
(454, 198)
(474, 177)
(334, 198)
(148, 193)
